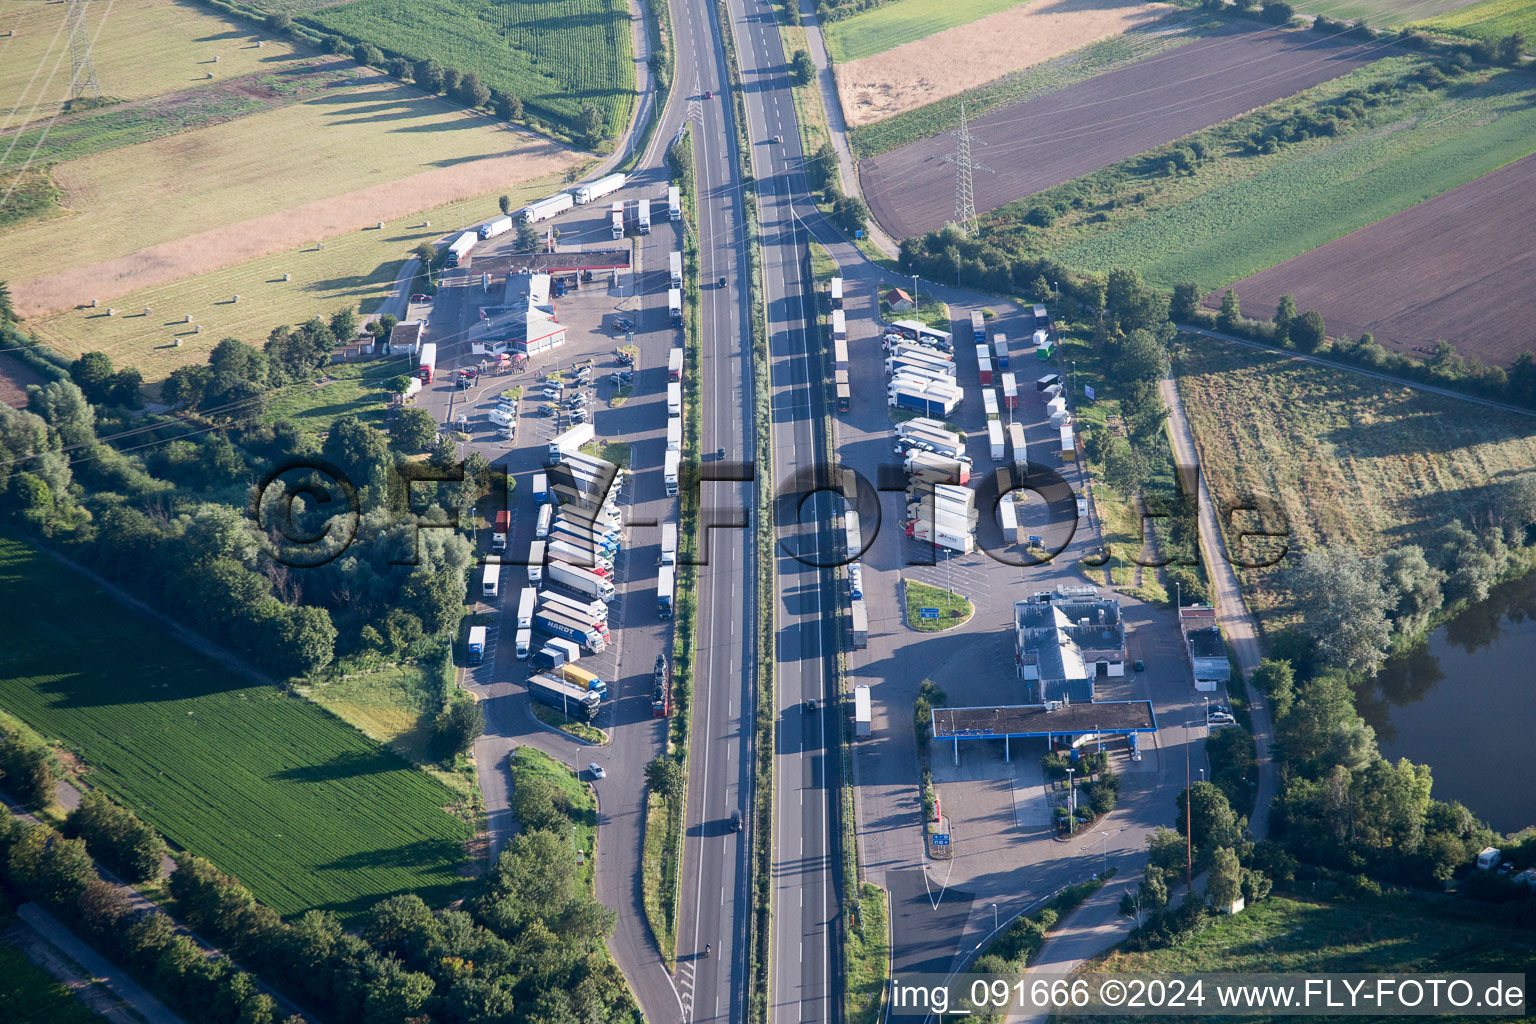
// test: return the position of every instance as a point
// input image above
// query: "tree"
(7, 308)
(115, 836)
(593, 128)
(1141, 359)
(1323, 729)
(400, 68)
(367, 54)
(1414, 586)
(505, 202)
(1131, 304)
(1225, 882)
(801, 68)
(123, 388)
(343, 324)
(457, 727)
(91, 372)
(1215, 824)
(1126, 467)
(1285, 313)
(413, 430)
(452, 79)
(528, 237)
(1185, 303)
(1231, 313)
(851, 213)
(1510, 48)
(429, 75)
(821, 169)
(664, 776)
(472, 91)
(63, 406)
(279, 23)
(30, 773)
(1473, 564)
(1307, 333)
(508, 107)
(1277, 681)
(1346, 608)
(308, 641)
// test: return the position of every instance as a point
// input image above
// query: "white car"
(597, 770)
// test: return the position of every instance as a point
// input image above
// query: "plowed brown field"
(1458, 266)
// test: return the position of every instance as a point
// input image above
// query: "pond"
(1464, 703)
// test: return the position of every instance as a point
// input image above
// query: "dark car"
(810, 704)
(1141, 666)
(735, 821)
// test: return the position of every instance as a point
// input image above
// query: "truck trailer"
(675, 306)
(585, 607)
(578, 676)
(671, 464)
(930, 401)
(989, 402)
(837, 293)
(1000, 350)
(839, 325)
(597, 189)
(547, 208)
(458, 251)
(995, 439)
(861, 712)
(581, 580)
(978, 326)
(674, 203)
(569, 441)
(427, 362)
(860, 624)
(1010, 391)
(932, 468)
(567, 698)
(643, 216)
(499, 226)
(675, 269)
(569, 627)
(476, 644)
(536, 561)
(1020, 450)
(666, 582)
(526, 602)
(616, 219)
(668, 543)
(675, 363)
(674, 398)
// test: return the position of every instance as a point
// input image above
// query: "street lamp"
(1202, 774)
(1106, 851)
(1071, 804)
(994, 917)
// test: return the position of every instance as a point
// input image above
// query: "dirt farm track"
(1458, 266)
(1054, 138)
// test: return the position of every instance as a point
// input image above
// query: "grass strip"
(953, 609)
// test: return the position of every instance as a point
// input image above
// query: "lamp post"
(1106, 851)
(994, 917)
(1071, 804)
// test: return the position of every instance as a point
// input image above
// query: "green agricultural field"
(1237, 216)
(355, 269)
(889, 25)
(1491, 20)
(557, 55)
(29, 995)
(1346, 458)
(142, 48)
(305, 810)
(1377, 13)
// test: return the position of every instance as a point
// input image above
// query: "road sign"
(940, 839)
(927, 613)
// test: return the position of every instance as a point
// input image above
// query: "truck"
(596, 190)
(671, 463)
(674, 203)
(674, 398)
(923, 423)
(556, 653)
(917, 376)
(525, 605)
(616, 220)
(675, 363)
(675, 306)
(938, 438)
(989, 402)
(861, 712)
(978, 326)
(541, 488)
(427, 362)
(840, 354)
(499, 226)
(643, 216)
(546, 517)
(589, 681)
(860, 623)
(661, 689)
(1068, 445)
(567, 698)
(569, 441)
(579, 555)
(837, 293)
(524, 642)
(476, 644)
(954, 537)
(546, 208)
(1042, 319)
(1050, 380)
(582, 581)
(995, 438)
(1020, 450)
(1000, 350)
(668, 543)
(674, 433)
(984, 371)
(932, 468)
(458, 251)
(588, 609)
(675, 270)
(535, 561)
(490, 579)
(574, 537)
(930, 401)
(1010, 391)
(839, 325)
(570, 627)
(844, 391)
(920, 360)
(666, 581)
(597, 528)
(499, 531)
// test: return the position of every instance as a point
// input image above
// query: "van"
(490, 579)
(546, 516)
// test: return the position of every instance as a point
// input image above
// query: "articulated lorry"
(668, 543)
(476, 644)
(565, 697)
(675, 306)
(570, 627)
(674, 203)
(499, 226)
(933, 468)
(643, 216)
(458, 251)
(582, 581)
(568, 441)
(427, 362)
(616, 220)
(929, 400)
(597, 189)
(675, 269)
(671, 464)
(547, 208)
(499, 531)
(925, 428)
(526, 602)
(666, 582)
(587, 680)
(587, 609)
(995, 438)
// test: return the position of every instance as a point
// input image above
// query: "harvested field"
(15, 375)
(1349, 459)
(1458, 266)
(960, 58)
(1052, 139)
(890, 24)
(201, 200)
(142, 48)
(1378, 13)
(1491, 21)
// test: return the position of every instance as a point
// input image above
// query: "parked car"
(597, 770)
(420, 297)
(1141, 666)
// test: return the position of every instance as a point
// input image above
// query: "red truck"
(499, 534)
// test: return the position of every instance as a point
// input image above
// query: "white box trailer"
(674, 399)
(1008, 519)
(861, 712)
(924, 423)
(581, 580)
(1010, 391)
(458, 251)
(547, 208)
(671, 463)
(643, 216)
(1068, 445)
(675, 306)
(989, 402)
(525, 603)
(837, 293)
(674, 433)
(668, 543)
(674, 203)
(1020, 450)
(675, 269)
(840, 354)
(616, 219)
(599, 188)
(839, 324)
(490, 579)
(995, 438)
(860, 624)
(535, 561)
(499, 226)
(675, 363)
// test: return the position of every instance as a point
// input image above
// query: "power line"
(965, 191)
(82, 76)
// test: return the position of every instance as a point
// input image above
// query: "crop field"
(1377, 13)
(1053, 138)
(356, 269)
(142, 218)
(1294, 201)
(30, 995)
(305, 810)
(557, 55)
(1347, 458)
(1456, 267)
(142, 48)
(1491, 20)
(936, 61)
(892, 24)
